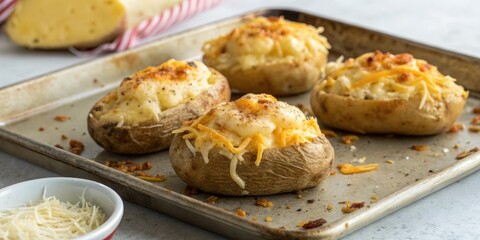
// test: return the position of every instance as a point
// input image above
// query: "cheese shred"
(50, 219)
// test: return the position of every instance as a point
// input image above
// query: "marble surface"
(451, 213)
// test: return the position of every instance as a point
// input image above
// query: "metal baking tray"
(28, 106)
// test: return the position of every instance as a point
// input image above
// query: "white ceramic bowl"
(68, 189)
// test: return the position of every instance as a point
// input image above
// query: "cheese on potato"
(265, 40)
(252, 123)
(386, 76)
(269, 55)
(50, 24)
(143, 96)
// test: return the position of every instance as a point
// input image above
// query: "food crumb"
(456, 146)
(352, 207)
(329, 207)
(350, 169)
(348, 139)
(254, 219)
(353, 148)
(333, 172)
(268, 219)
(476, 110)
(299, 195)
(299, 210)
(288, 206)
(76, 146)
(465, 154)
(445, 150)
(359, 160)
(212, 199)
(374, 198)
(63, 137)
(59, 146)
(313, 224)
(420, 147)
(61, 118)
(240, 212)
(456, 128)
(310, 200)
(190, 191)
(407, 158)
(41, 129)
(390, 161)
(329, 133)
(476, 120)
(474, 128)
(264, 203)
(157, 178)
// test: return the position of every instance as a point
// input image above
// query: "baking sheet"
(30, 106)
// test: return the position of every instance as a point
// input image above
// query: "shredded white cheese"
(50, 219)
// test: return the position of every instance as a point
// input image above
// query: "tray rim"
(331, 230)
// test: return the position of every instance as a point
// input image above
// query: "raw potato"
(286, 169)
(273, 56)
(387, 94)
(56, 24)
(151, 136)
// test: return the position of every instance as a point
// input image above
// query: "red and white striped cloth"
(142, 30)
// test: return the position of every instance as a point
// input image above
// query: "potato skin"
(286, 169)
(385, 116)
(151, 137)
(278, 79)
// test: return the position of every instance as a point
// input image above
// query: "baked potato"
(255, 145)
(269, 55)
(141, 114)
(386, 93)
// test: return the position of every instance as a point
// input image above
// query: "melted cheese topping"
(387, 76)
(50, 219)
(252, 123)
(143, 96)
(266, 41)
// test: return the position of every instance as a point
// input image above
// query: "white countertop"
(451, 213)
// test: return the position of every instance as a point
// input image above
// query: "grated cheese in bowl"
(50, 219)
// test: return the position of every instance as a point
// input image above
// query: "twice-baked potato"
(269, 55)
(255, 145)
(141, 114)
(386, 93)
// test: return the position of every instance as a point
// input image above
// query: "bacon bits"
(314, 224)
(352, 207)
(212, 199)
(76, 147)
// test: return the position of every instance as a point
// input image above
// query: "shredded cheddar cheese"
(253, 123)
(386, 76)
(350, 169)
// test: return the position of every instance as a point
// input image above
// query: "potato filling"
(386, 76)
(252, 123)
(267, 41)
(143, 96)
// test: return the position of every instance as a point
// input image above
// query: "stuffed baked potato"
(386, 93)
(141, 114)
(255, 145)
(269, 55)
